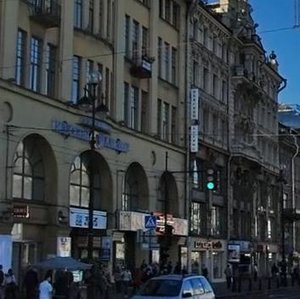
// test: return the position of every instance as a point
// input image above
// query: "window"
(205, 36)
(174, 66)
(160, 49)
(127, 35)
(165, 121)
(50, 64)
(159, 112)
(76, 78)
(28, 176)
(195, 74)
(205, 79)
(198, 218)
(176, 15)
(80, 183)
(107, 84)
(197, 286)
(224, 92)
(168, 10)
(130, 193)
(215, 221)
(35, 64)
(215, 86)
(144, 112)
(109, 23)
(91, 16)
(173, 125)
(167, 61)
(145, 38)
(78, 12)
(21, 56)
(145, 2)
(131, 106)
(135, 40)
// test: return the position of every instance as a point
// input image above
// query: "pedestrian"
(204, 271)
(11, 287)
(228, 274)
(118, 280)
(1, 282)
(30, 283)
(45, 288)
(255, 272)
(126, 277)
(169, 267)
(177, 268)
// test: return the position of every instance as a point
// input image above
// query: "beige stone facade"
(48, 52)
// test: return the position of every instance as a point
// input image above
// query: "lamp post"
(90, 99)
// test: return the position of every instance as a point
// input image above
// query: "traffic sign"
(150, 222)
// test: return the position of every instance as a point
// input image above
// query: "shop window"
(80, 183)
(28, 177)
(217, 264)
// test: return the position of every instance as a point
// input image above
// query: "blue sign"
(150, 222)
(67, 130)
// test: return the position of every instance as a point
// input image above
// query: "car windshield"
(161, 287)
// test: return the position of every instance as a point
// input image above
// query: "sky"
(275, 16)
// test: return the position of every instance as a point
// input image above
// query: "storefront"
(209, 253)
(138, 243)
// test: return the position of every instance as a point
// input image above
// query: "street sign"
(150, 222)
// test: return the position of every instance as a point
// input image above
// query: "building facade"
(49, 51)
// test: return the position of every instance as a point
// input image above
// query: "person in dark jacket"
(31, 283)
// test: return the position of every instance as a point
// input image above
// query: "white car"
(175, 287)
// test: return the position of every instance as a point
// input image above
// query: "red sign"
(21, 211)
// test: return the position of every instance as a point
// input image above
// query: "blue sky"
(278, 14)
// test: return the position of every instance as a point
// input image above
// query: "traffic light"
(210, 179)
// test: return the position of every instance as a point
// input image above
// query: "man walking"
(228, 274)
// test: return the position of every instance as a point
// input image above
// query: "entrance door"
(24, 254)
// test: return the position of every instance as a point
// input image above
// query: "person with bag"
(46, 288)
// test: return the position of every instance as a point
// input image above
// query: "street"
(285, 293)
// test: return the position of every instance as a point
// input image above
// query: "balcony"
(142, 67)
(45, 12)
(291, 214)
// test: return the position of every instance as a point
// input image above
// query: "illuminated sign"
(21, 211)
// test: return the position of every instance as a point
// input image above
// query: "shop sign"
(245, 246)
(21, 211)
(66, 129)
(194, 104)
(80, 218)
(233, 253)
(133, 221)
(63, 246)
(194, 136)
(209, 245)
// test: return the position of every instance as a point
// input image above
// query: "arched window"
(80, 182)
(28, 176)
(130, 194)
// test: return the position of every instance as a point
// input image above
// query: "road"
(288, 293)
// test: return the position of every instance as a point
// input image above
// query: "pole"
(283, 266)
(91, 168)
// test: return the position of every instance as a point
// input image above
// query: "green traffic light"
(210, 185)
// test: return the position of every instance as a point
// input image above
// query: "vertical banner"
(194, 104)
(63, 246)
(194, 138)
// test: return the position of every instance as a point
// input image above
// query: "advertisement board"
(233, 253)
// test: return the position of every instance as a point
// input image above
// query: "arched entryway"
(34, 190)
(135, 198)
(90, 188)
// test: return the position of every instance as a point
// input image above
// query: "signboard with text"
(80, 218)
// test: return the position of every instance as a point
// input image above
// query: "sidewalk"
(246, 287)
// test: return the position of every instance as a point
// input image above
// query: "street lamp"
(89, 100)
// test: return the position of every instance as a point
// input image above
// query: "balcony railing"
(45, 12)
(142, 67)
